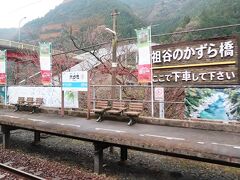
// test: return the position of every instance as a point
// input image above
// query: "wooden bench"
(100, 108)
(117, 108)
(20, 103)
(36, 105)
(29, 101)
(133, 112)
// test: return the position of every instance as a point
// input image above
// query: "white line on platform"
(164, 137)
(112, 130)
(201, 142)
(10, 116)
(74, 125)
(69, 125)
(227, 145)
(38, 120)
(61, 124)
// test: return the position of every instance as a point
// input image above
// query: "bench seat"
(100, 108)
(20, 103)
(36, 105)
(133, 112)
(117, 108)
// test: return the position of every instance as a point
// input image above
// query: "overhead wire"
(27, 5)
(157, 35)
(187, 31)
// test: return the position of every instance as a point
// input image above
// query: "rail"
(20, 172)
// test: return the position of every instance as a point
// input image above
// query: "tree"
(96, 43)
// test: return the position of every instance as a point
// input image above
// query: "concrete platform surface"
(206, 144)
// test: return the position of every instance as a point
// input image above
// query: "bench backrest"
(30, 100)
(39, 101)
(118, 105)
(101, 104)
(21, 100)
(138, 107)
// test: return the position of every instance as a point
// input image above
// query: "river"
(215, 111)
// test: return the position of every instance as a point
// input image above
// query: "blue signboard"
(75, 85)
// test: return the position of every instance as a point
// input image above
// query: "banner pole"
(62, 97)
(5, 98)
(151, 71)
(88, 96)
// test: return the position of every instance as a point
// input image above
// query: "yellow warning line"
(196, 65)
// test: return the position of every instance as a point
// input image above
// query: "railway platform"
(202, 145)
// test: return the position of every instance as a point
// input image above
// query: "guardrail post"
(120, 93)
(94, 97)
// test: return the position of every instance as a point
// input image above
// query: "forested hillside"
(213, 14)
(82, 14)
(223, 13)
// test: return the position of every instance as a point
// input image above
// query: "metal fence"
(157, 103)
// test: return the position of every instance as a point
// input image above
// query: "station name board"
(208, 62)
(75, 81)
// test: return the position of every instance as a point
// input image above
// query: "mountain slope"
(81, 15)
(8, 33)
(218, 13)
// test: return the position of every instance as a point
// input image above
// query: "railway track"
(18, 172)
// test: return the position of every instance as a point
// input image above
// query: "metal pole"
(62, 98)
(114, 53)
(19, 32)
(19, 28)
(94, 96)
(6, 83)
(152, 96)
(88, 97)
(120, 93)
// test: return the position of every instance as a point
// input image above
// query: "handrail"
(19, 45)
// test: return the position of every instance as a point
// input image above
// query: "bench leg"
(6, 136)
(34, 109)
(131, 121)
(36, 137)
(99, 119)
(124, 154)
(16, 108)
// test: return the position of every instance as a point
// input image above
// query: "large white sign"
(75, 81)
(51, 96)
